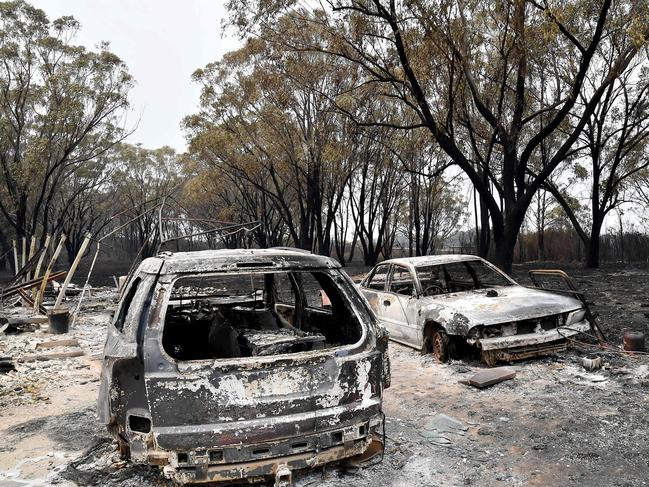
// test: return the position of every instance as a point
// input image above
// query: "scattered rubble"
(442, 429)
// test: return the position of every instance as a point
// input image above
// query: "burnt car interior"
(221, 316)
(456, 277)
(401, 281)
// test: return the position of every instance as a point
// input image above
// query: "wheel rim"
(437, 347)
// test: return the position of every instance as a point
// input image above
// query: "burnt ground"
(554, 424)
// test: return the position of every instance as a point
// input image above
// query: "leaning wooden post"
(24, 252)
(16, 269)
(37, 271)
(39, 264)
(41, 292)
(32, 249)
(83, 291)
(73, 268)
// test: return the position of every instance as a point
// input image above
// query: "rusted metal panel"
(243, 417)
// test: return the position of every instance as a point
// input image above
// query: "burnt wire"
(602, 348)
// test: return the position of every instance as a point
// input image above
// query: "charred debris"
(233, 365)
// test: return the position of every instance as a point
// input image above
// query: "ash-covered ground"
(554, 424)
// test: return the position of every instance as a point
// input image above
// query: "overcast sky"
(163, 42)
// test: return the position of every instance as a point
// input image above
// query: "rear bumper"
(530, 340)
(263, 469)
(262, 460)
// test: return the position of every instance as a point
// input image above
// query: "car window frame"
(508, 278)
(165, 285)
(471, 272)
(414, 281)
(368, 280)
(119, 319)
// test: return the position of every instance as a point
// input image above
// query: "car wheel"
(489, 358)
(441, 345)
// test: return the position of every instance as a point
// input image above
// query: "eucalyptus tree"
(616, 153)
(83, 203)
(61, 107)
(469, 71)
(220, 196)
(376, 192)
(266, 117)
(144, 186)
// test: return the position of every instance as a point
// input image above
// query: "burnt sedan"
(445, 303)
(243, 364)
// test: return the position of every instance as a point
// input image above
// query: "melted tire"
(441, 346)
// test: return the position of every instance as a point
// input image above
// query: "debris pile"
(34, 363)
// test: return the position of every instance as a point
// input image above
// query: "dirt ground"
(555, 424)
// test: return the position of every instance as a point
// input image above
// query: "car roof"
(431, 259)
(234, 260)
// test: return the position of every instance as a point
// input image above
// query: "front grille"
(523, 327)
(530, 326)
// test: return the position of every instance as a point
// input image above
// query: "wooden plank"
(16, 268)
(29, 301)
(41, 293)
(21, 320)
(73, 268)
(11, 290)
(67, 342)
(51, 356)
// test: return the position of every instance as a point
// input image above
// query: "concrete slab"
(489, 377)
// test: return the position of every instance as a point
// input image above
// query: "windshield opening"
(456, 277)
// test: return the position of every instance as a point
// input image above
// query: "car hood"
(513, 303)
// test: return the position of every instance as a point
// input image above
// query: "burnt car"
(447, 303)
(243, 364)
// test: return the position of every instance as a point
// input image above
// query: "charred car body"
(442, 303)
(231, 364)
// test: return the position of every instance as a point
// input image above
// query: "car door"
(374, 290)
(400, 304)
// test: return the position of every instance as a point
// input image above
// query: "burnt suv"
(243, 364)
